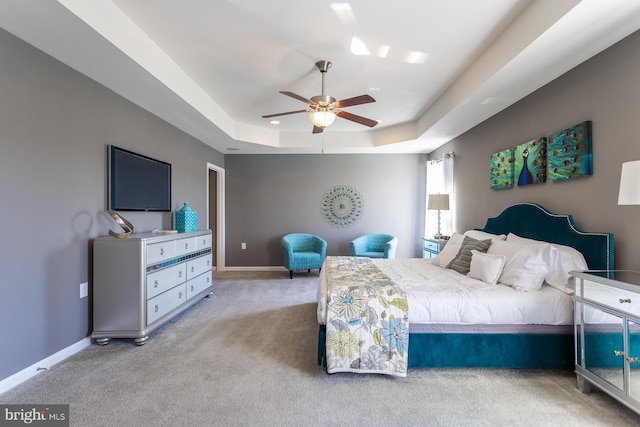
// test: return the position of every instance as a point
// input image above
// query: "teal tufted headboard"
(535, 222)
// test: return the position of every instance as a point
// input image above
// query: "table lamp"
(438, 202)
(630, 184)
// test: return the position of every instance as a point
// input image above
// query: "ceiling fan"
(324, 109)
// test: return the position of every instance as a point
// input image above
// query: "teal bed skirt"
(477, 350)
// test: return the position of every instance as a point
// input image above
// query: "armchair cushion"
(303, 251)
(374, 246)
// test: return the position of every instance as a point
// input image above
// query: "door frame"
(220, 210)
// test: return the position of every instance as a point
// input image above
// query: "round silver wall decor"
(342, 205)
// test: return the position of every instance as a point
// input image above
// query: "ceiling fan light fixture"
(322, 119)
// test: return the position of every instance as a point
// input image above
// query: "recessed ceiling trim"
(100, 40)
(110, 22)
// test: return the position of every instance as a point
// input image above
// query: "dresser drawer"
(165, 302)
(203, 242)
(185, 246)
(617, 299)
(198, 284)
(161, 280)
(158, 252)
(197, 266)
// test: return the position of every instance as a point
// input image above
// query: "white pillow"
(567, 259)
(483, 235)
(511, 237)
(564, 259)
(486, 267)
(456, 239)
(526, 264)
(450, 250)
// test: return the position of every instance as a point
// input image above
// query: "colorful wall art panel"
(501, 170)
(530, 162)
(569, 153)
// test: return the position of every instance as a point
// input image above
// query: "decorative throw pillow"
(486, 267)
(450, 250)
(462, 261)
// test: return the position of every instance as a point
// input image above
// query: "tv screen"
(137, 182)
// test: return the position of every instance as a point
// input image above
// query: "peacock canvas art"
(530, 162)
(501, 170)
(569, 153)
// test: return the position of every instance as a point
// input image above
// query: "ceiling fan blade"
(356, 100)
(317, 129)
(268, 116)
(357, 119)
(298, 97)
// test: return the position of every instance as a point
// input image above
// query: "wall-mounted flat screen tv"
(137, 182)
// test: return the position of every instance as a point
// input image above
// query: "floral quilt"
(367, 319)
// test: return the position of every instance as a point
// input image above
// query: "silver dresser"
(142, 281)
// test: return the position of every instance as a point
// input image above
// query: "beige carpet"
(247, 356)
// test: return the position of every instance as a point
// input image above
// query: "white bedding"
(440, 295)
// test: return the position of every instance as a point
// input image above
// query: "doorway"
(215, 212)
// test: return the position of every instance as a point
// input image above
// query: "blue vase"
(186, 219)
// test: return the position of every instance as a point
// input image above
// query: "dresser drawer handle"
(618, 353)
(155, 283)
(193, 269)
(156, 308)
(180, 295)
(191, 288)
(627, 300)
(186, 246)
(208, 279)
(633, 359)
(161, 251)
(180, 273)
(208, 263)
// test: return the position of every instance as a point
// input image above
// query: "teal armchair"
(375, 246)
(303, 252)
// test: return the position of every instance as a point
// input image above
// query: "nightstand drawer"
(432, 247)
(617, 299)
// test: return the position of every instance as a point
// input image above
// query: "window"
(440, 181)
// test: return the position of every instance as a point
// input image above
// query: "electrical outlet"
(84, 290)
(243, 245)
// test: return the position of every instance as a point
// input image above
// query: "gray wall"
(605, 90)
(272, 195)
(55, 125)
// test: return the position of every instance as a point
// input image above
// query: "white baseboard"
(33, 370)
(265, 268)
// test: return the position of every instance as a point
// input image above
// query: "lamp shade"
(322, 119)
(438, 202)
(630, 184)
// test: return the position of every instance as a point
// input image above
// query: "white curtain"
(440, 181)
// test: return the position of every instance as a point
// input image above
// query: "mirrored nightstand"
(607, 332)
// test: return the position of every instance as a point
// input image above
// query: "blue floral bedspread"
(367, 319)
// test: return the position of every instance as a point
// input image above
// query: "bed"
(458, 333)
